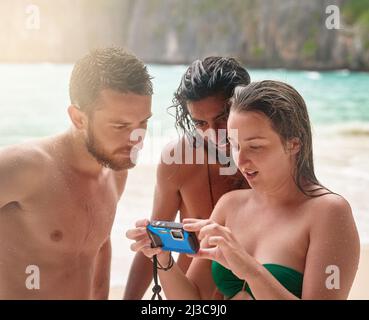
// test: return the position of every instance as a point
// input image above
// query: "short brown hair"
(107, 68)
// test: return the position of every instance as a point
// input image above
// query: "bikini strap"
(209, 176)
(209, 183)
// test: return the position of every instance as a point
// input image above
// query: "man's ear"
(78, 117)
(293, 146)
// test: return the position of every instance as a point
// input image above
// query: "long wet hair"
(212, 76)
(287, 112)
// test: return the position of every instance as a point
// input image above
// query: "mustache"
(128, 149)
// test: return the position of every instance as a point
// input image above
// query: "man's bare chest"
(71, 214)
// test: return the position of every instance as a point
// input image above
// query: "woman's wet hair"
(107, 68)
(288, 115)
(212, 76)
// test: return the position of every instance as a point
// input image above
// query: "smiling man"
(58, 195)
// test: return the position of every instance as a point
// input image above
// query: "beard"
(113, 160)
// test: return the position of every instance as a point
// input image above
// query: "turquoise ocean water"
(34, 98)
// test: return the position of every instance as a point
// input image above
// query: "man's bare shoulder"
(171, 163)
(25, 158)
(177, 162)
(22, 171)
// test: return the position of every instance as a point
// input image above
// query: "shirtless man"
(58, 195)
(201, 104)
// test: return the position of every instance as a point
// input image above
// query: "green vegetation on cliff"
(268, 33)
(356, 11)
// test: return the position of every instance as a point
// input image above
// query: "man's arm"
(101, 281)
(167, 202)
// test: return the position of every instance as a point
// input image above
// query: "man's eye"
(255, 147)
(120, 127)
(222, 119)
(199, 123)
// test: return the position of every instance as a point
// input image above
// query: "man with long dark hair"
(193, 187)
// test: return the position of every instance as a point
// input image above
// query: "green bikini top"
(229, 285)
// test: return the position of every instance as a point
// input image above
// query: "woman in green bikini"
(286, 238)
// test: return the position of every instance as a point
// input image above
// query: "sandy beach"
(342, 164)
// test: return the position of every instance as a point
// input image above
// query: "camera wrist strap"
(157, 288)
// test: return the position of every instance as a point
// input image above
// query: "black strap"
(157, 288)
(209, 179)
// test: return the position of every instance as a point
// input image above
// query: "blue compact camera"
(170, 236)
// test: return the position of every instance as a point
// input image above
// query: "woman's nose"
(242, 159)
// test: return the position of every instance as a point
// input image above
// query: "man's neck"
(77, 156)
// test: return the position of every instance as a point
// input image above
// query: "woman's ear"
(77, 117)
(293, 146)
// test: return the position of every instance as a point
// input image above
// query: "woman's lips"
(251, 174)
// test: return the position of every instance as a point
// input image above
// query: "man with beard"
(58, 195)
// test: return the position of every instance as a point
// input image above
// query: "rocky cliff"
(261, 33)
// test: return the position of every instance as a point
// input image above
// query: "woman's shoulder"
(235, 198)
(230, 202)
(328, 200)
(330, 209)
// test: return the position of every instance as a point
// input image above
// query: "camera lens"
(176, 234)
